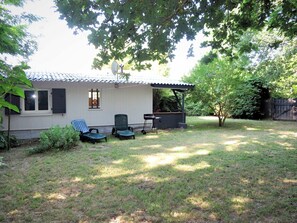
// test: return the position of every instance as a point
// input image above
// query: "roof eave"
(174, 86)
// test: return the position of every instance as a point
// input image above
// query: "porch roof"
(143, 78)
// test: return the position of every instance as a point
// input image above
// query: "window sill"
(35, 114)
(95, 109)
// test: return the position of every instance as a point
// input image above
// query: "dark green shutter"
(59, 100)
(15, 100)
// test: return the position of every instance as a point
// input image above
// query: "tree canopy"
(267, 69)
(217, 85)
(150, 30)
(16, 43)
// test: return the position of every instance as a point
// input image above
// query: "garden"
(243, 172)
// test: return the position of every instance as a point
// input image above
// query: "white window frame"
(36, 111)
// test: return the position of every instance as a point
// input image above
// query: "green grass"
(243, 172)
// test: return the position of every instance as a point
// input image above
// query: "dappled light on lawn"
(244, 180)
(233, 145)
(178, 148)
(202, 147)
(37, 195)
(213, 174)
(76, 179)
(155, 146)
(251, 129)
(198, 166)
(290, 181)
(160, 159)
(199, 201)
(63, 192)
(150, 136)
(208, 118)
(179, 214)
(202, 152)
(231, 142)
(56, 196)
(251, 152)
(239, 204)
(110, 171)
(14, 212)
(287, 146)
(120, 161)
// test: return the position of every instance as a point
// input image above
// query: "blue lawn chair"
(121, 128)
(86, 133)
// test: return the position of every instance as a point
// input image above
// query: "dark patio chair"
(87, 134)
(121, 128)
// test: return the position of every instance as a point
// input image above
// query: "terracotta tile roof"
(144, 78)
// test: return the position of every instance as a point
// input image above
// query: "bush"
(196, 108)
(56, 138)
(2, 164)
(164, 101)
(4, 140)
(251, 100)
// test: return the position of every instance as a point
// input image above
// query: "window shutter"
(59, 100)
(15, 100)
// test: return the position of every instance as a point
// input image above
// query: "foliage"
(196, 108)
(271, 58)
(251, 105)
(217, 85)
(17, 43)
(150, 30)
(2, 164)
(56, 138)
(12, 79)
(265, 64)
(164, 100)
(280, 71)
(209, 57)
(4, 141)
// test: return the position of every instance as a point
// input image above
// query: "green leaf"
(8, 105)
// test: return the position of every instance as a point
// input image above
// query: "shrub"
(56, 138)
(196, 108)
(251, 99)
(2, 164)
(164, 101)
(4, 140)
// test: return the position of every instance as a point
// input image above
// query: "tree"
(16, 43)
(216, 87)
(150, 30)
(279, 67)
(271, 59)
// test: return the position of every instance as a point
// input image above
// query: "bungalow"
(58, 98)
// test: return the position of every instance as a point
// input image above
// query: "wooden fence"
(284, 109)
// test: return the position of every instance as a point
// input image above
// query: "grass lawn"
(244, 172)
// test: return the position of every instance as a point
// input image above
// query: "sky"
(59, 50)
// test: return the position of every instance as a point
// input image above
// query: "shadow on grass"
(246, 172)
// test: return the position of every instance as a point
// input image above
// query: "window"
(36, 101)
(94, 99)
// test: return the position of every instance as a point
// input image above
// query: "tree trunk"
(220, 121)
(224, 119)
(8, 125)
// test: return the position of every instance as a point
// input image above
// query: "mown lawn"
(244, 172)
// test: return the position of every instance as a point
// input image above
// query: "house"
(58, 98)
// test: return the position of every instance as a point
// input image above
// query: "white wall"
(133, 100)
